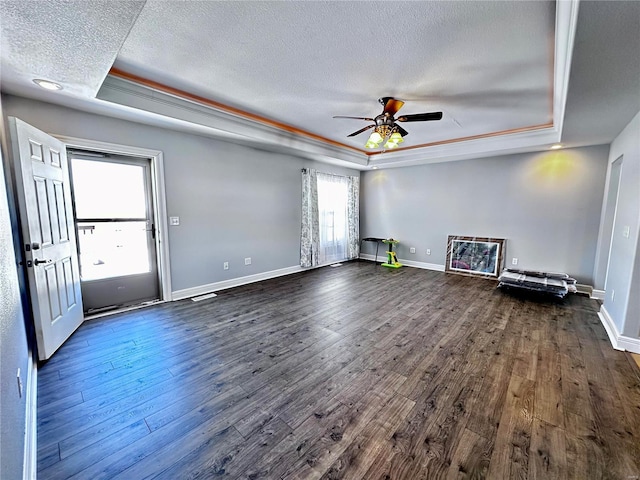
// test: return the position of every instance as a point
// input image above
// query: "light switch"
(174, 221)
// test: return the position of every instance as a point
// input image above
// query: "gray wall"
(547, 205)
(233, 201)
(623, 272)
(14, 352)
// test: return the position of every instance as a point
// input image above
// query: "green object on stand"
(392, 260)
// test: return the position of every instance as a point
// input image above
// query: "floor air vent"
(203, 297)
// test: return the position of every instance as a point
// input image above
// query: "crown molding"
(231, 124)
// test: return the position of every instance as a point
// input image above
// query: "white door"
(46, 217)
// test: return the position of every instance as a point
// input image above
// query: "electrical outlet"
(514, 261)
(225, 265)
(174, 221)
(412, 250)
(247, 261)
(428, 251)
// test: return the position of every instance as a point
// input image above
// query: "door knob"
(38, 262)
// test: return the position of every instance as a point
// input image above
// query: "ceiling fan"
(385, 124)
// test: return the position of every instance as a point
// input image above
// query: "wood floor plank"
(547, 458)
(510, 458)
(471, 458)
(549, 406)
(349, 372)
(321, 455)
(94, 451)
(356, 460)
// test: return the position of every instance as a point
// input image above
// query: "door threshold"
(116, 310)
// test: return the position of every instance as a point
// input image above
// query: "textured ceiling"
(489, 66)
(72, 43)
(604, 87)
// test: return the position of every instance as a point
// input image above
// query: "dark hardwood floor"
(349, 372)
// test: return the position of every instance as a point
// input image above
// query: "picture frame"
(475, 256)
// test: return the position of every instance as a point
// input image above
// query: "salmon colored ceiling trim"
(225, 108)
(464, 139)
(288, 128)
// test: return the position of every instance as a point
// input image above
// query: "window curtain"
(309, 237)
(330, 218)
(353, 217)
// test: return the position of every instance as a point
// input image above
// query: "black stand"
(373, 239)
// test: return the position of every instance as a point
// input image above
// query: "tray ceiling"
(275, 73)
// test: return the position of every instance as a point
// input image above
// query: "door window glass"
(108, 190)
(111, 216)
(112, 249)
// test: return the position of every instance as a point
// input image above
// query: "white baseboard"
(585, 289)
(30, 462)
(233, 282)
(618, 341)
(408, 263)
(598, 294)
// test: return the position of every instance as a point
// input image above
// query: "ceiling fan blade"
(356, 118)
(361, 130)
(402, 131)
(391, 105)
(420, 117)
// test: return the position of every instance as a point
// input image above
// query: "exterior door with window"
(49, 240)
(116, 230)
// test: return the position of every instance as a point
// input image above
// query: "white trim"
(234, 282)
(566, 26)
(30, 461)
(159, 197)
(598, 294)
(207, 120)
(584, 289)
(367, 256)
(629, 344)
(423, 265)
(618, 341)
(224, 125)
(408, 263)
(115, 311)
(609, 326)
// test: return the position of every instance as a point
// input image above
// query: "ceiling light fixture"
(47, 85)
(375, 139)
(381, 133)
(394, 139)
(557, 146)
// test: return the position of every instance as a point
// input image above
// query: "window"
(330, 218)
(332, 215)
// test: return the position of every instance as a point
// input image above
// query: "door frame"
(158, 198)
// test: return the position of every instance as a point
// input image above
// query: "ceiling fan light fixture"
(385, 127)
(375, 137)
(394, 140)
(396, 137)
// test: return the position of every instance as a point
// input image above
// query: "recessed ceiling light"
(375, 168)
(557, 146)
(47, 85)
